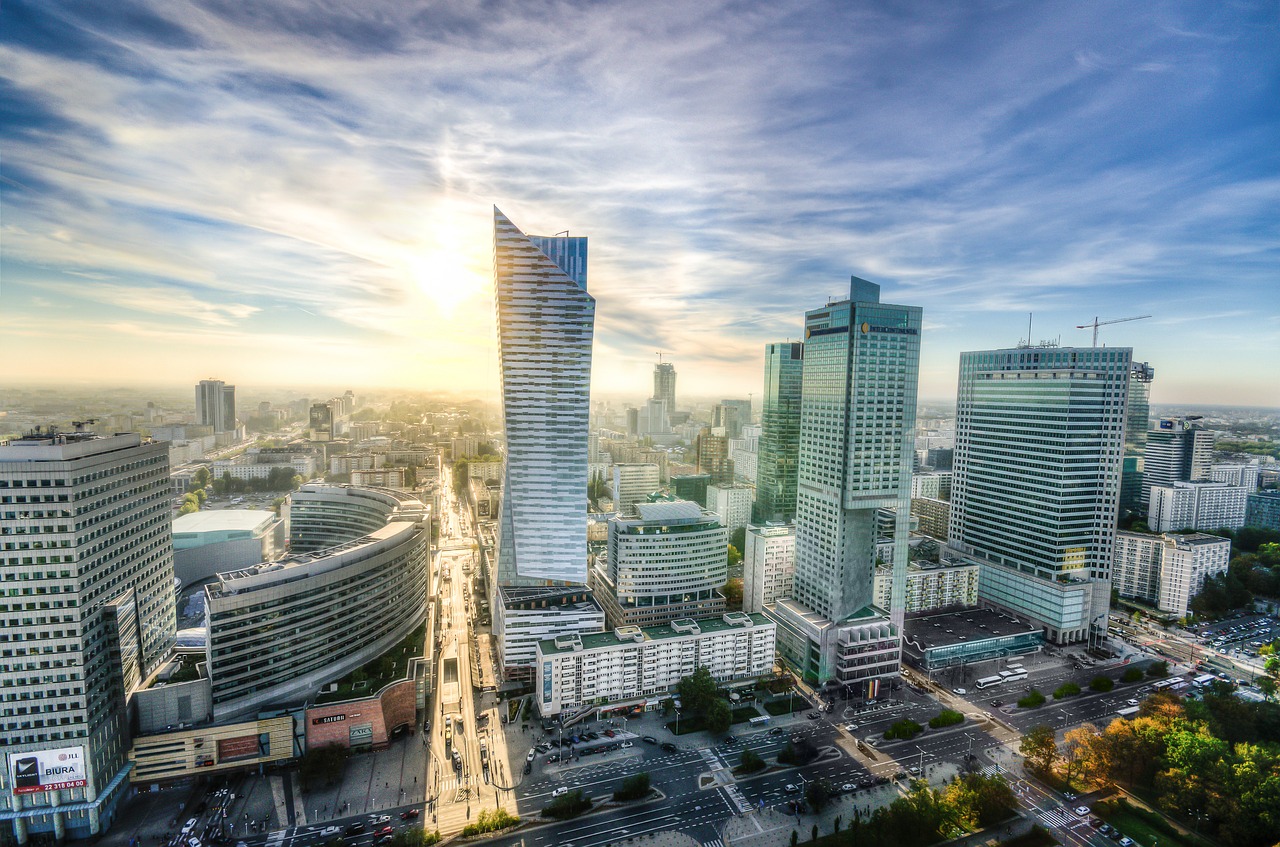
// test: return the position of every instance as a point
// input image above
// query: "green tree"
(1131, 675)
(697, 691)
(1158, 670)
(567, 805)
(1067, 689)
(817, 793)
(1040, 747)
(1033, 699)
(732, 591)
(1101, 683)
(460, 477)
(634, 787)
(200, 478)
(738, 538)
(735, 556)
(718, 717)
(750, 762)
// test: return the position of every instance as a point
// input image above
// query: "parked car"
(1126, 842)
(669, 747)
(649, 739)
(560, 792)
(553, 758)
(848, 786)
(624, 745)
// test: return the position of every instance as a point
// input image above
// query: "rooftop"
(222, 520)
(966, 625)
(669, 511)
(637, 635)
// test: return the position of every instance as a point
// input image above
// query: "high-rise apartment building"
(1262, 509)
(1243, 475)
(730, 416)
(713, 457)
(669, 562)
(856, 450)
(1177, 450)
(1167, 570)
(732, 503)
(85, 523)
(779, 448)
(1137, 422)
(633, 482)
(1196, 505)
(664, 384)
(1036, 486)
(768, 565)
(546, 321)
(216, 405)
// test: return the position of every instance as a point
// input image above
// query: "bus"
(1166, 683)
(1013, 675)
(988, 681)
(758, 720)
(1014, 666)
(1127, 712)
(1203, 679)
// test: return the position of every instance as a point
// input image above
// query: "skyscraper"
(712, 453)
(1137, 421)
(1040, 437)
(86, 528)
(779, 433)
(664, 384)
(1177, 450)
(545, 320)
(857, 423)
(216, 405)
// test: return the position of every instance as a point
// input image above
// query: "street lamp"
(677, 721)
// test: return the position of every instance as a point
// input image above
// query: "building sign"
(241, 747)
(328, 719)
(361, 733)
(47, 770)
(546, 682)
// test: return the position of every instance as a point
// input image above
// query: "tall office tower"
(713, 457)
(731, 416)
(85, 522)
(779, 433)
(1178, 450)
(545, 320)
(216, 405)
(857, 427)
(1036, 485)
(668, 563)
(1137, 422)
(664, 384)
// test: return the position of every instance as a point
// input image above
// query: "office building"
(966, 637)
(1262, 509)
(652, 420)
(322, 515)
(732, 503)
(85, 527)
(1137, 423)
(930, 586)
(730, 416)
(214, 540)
(744, 450)
(216, 405)
(1178, 450)
(1242, 475)
(857, 424)
(638, 667)
(691, 487)
(768, 565)
(668, 563)
(545, 320)
(321, 422)
(1196, 505)
(713, 457)
(1036, 484)
(664, 384)
(1166, 571)
(779, 433)
(633, 482)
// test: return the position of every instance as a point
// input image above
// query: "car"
(528, 768)
(1131, 702)
(791, 789)
(1082, 811)
(410, 814)
(730, 741)
(848, 786)
(882, 780)
(777, 730)
(386, 839)
(866, 782)
(386, 830)
(851, 727)
(960, 691)
(997, 703)
(1095, 822)
(1126, 841)
(649, 739)
(900, 775)
(609, 733)
(669, 747)
(1115, 834)
(913, 770)
(593, 736)
(529, 758)
(624, 745)
(560, 792)
(193, 842)
(355, 828)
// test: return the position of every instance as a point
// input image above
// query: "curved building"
(320, 515)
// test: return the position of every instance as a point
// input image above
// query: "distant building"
(635, 667)
(1137, 424)
(933, 515)
(931, 586)
(940, 458)
(664, 384)
(768, 565)
(732, 503)
(632, 484)
(779, 433)
(1177, 450)
(936, 485)
(1263, 510)
(730, 416)
(1239, 474)
(384, 477)
(691, 487)
(216, 405)
(260, 462)
(1166, 571)
(668, 563)
(714, 459)
(348, 462)
(321, 422)
(1196, 505)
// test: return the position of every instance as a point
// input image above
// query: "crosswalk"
(711, 758)
(992, 770)
(1058, 817)
(743, 804)
(449, 784)
(715, 842)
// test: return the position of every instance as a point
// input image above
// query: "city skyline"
(193, 190)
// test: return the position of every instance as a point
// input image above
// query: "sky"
(295, 193)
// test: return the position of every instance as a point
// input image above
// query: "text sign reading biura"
(47, 770)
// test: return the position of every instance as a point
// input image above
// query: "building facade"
(633, 482)
(934, 516)
(1166, 571)
(664, 384)
(779, 433)
(633, 664)
(732, 503)
(526, 615)
(931, 586)
(216, 405)
(1196, 505)
(1177, 450)
(1137, 424)
(668, 563)
(768, 565)
(84, 523)
(322, 515)
(691, 487)
(210, 541)
(856, 451)
(713, 457)
(1262, 509)
(1035, 494)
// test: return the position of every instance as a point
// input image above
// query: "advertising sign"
(361, 733)
(243, 747)
(47, 770)
(328, 719)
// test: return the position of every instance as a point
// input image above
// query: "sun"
(446, 277)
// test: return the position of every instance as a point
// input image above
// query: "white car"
(960, 691)
(330, 830)
(791, 789)
(1131, 702)
(1081, 810)
(624, 745)
(562, 790)
(850, 727)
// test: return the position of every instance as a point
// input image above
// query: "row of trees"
(1218, 759)
(1254, 570)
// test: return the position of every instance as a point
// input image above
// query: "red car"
(386, 830)
(410, 814)
(609, 733)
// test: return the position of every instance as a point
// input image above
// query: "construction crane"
(1097, 323)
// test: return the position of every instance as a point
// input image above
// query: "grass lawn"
(779, 706)
(1145, 827)
(372, 680)
(742, 714)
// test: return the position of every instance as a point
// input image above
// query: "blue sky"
(294, 193)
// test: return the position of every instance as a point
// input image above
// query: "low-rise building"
(1262, 509)
(1166, 571)
(381, 477)
(963, 637)
(768, 565)
(524, 616)
(933, 516)
(348, 462)
(214, 540)
(931, 586)
(631, 663)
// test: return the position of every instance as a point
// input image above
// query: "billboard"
(47, 770)
(232, 749)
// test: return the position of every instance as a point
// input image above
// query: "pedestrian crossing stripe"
(992, 770)
(716, 842)
(743, 804)
(1056, 818)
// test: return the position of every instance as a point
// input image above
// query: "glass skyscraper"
(779, 433)
(1040, 437)
(1137, 421)
(545, 321)
(857, 425)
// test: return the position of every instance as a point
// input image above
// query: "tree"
(634, 787)
(1067, 689)
(1075, 746)
(460, 477)
(817, 793)
(979, 801)
(1101, 683)
(732, 591)
(738, 538)
(718, 717)
(1131, 675)
(567, 805)
(1158, 670)
(697, 691)
(1039, 746)
(735, 556)
(1033, 699)
(750, 762)
(200, 478)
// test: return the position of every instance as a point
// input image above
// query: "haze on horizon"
(291, 194)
